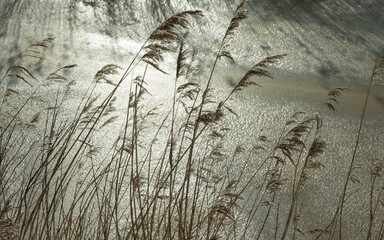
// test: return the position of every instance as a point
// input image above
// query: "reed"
(165, 174)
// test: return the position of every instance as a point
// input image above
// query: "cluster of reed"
(65, 182)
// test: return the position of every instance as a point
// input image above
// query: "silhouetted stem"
(353, 158)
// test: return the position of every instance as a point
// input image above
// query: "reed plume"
(257, 70)
(102, 74)
(35, 50)
(240, 15)
(332, 98)
(167, 31)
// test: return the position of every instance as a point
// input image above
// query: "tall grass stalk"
(379, 66)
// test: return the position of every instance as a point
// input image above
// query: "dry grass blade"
(9, 92)
(68, 67)
(231, 111)
(43, 43)
(55, 77)
(20, 77)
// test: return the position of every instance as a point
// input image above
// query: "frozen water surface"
(329, 44)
